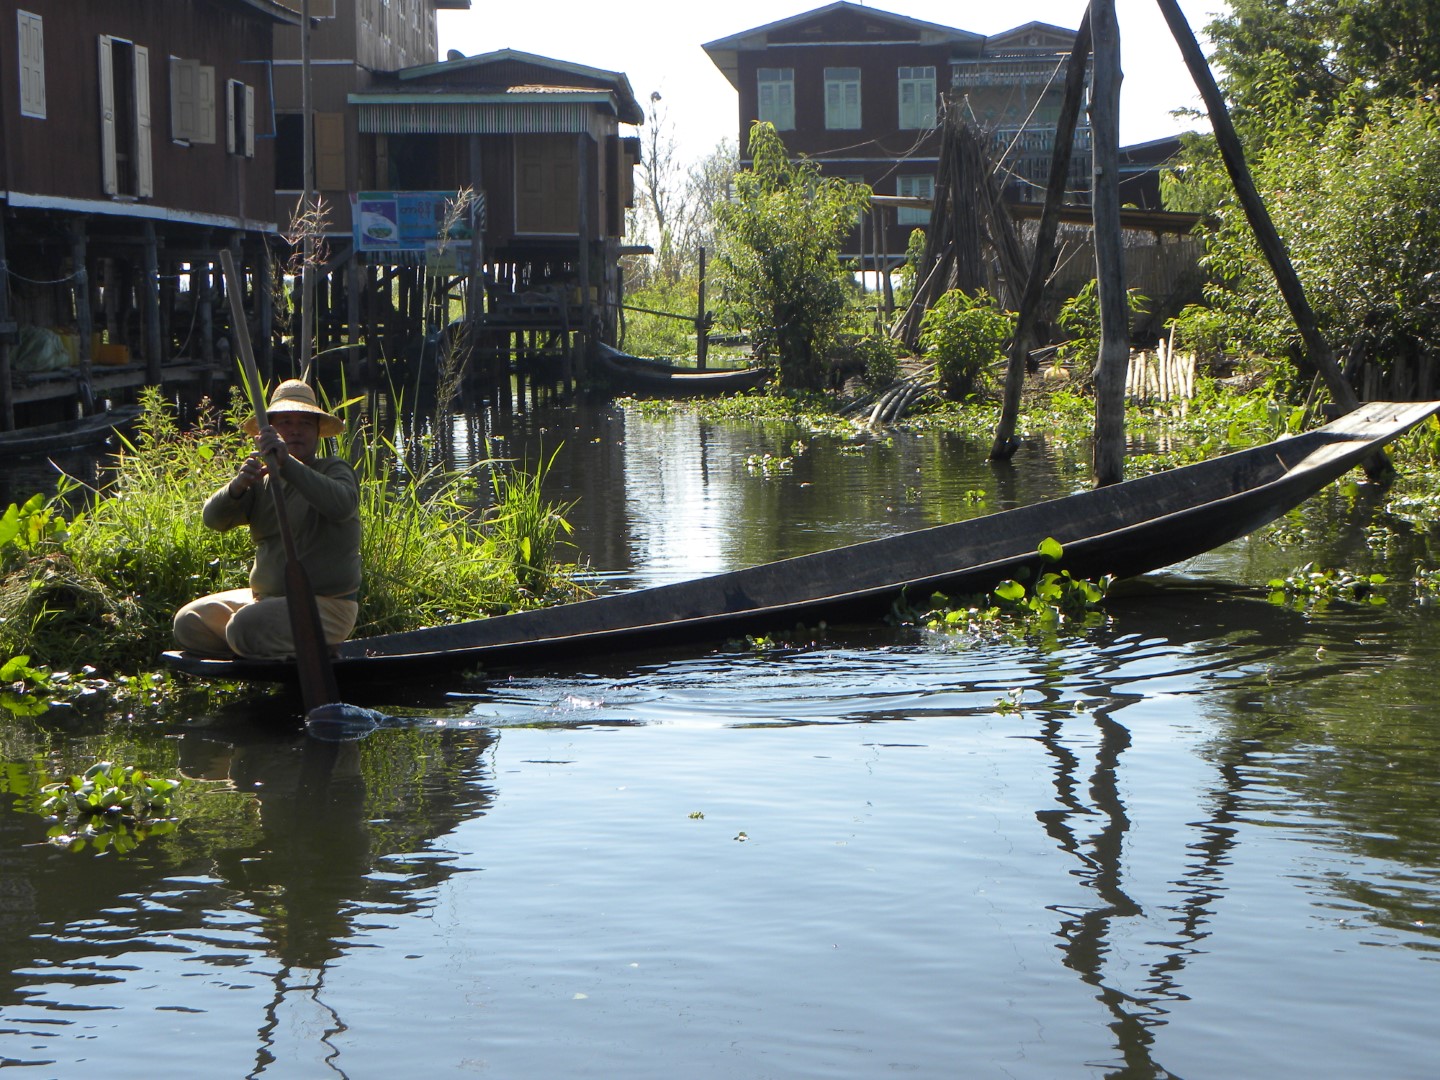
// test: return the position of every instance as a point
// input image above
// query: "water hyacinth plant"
(1056, 600)
(109, 807)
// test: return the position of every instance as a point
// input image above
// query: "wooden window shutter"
(230, 85)
(249, 121)
(110, 173)
(31, 29)
(330, 152)
(144, 169)
(204, 105)
(184, 97)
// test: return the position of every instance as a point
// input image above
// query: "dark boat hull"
(1123, 530)
(637, 375)
(66, 435)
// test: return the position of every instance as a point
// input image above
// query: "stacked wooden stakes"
(971, 245)
(1161, 374)
(969, 222)
(1098, 40)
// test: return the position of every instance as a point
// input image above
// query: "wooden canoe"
(1125, 529)
(67, 434)
(628, 374)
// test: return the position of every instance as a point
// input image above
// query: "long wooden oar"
(312, 654)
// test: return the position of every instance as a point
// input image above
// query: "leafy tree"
(1356, 197)
(1324, 48)
(778, 256)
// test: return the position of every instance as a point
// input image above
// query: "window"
(330, 152)
(547, 172)
(915, 187)
(125, 118)
(239, 118)
(776, 97)
(31, 32)
(192, 101)
(842, 98)
(290, 152)
(917, 98)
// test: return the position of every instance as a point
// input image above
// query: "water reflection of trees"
(1342, 731)
(1332, 708)
(1089, 822)
(336, 832)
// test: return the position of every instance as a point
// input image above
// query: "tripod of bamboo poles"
(1099, 37)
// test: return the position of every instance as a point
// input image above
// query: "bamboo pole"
(1042, 259)
(1109, 444)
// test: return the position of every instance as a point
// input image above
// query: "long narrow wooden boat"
(639, 375)
(1125, 529)
(67, 434)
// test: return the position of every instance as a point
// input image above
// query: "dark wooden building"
(351, 44)
(135, 145)
(860, 91)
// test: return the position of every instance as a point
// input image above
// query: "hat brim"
(330, 424)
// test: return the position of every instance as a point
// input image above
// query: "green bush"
(1080, 318)
(879, 357)
(777, 259)
(964, 335)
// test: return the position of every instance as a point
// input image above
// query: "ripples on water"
(1198, 842)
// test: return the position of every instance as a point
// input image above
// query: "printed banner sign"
(416, 221)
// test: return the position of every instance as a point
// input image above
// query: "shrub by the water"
(101, 590)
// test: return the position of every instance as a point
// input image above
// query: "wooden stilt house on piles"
(131, 150)
(538, 143)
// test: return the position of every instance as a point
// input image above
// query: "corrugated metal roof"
(432, 115)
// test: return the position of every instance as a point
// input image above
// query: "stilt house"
(133, 137)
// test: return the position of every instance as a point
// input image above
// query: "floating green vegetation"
(768, 464)
(1056, 600)
(108, 808)
(1427, 581)
(1307, 587)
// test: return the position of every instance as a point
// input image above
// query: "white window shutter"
(204, 105)
(184, 96)
(249, 121)
(109, 171)
(31, 29)
(144, 167)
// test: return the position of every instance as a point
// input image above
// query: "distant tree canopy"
(778, 256)
(1356, 196)
(1323, 50)
(675, 203)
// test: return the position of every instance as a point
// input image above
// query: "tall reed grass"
(102, 588)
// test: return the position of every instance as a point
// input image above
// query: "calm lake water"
(1202, 841)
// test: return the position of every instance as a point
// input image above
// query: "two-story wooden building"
(132, 149)
(535, 139)
(351, 43)
(859, 90)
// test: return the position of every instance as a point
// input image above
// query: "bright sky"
(657, 44)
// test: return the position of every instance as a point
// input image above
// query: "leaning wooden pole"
(1109, 450)
(1042, 259)
(1317, 347)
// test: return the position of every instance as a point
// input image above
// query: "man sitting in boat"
(322, 502)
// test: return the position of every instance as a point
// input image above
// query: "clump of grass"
(429, 556)
(140, 550)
